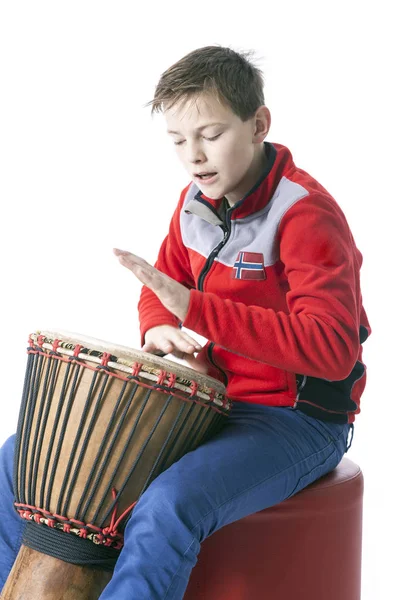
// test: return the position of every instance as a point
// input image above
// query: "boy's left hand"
(173, 295)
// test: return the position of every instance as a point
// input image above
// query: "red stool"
(307, 547)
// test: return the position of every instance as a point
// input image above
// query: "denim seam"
(327, 432)
(294, 491)
(179, 567)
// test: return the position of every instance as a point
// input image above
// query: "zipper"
(214, 252)
(227, 230)
(210, 260)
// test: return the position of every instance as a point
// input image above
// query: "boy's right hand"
(172, 340)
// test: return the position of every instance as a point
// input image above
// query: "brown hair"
(228, 75)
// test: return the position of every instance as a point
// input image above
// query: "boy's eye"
(208, 139)
(211, 139)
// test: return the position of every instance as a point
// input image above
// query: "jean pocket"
(328, 432)
(333, 432)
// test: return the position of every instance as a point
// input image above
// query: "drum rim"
(128, 357)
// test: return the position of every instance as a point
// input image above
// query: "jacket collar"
(279, 162)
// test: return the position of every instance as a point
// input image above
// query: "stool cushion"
(307, 547)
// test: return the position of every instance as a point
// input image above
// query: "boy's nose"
(195, 154)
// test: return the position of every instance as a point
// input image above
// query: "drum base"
(37, 576)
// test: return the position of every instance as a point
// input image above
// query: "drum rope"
(155, 469)
(138, 457)
(21, 419)
(50, 384)
(85, 443)
(180, 435)
(75, 550)
(38, 436)
(81, 514)
(60, 406)
(48, 395)
(76, 372)
(222, 408)
(31, 402)
(119, 463)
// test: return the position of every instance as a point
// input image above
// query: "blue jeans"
(262, 456)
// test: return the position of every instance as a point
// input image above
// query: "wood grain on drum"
(37, 576)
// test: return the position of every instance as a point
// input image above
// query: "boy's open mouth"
(206, 176)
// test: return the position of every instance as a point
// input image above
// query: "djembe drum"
(97, 424)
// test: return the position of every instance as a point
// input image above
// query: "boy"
(260, 260)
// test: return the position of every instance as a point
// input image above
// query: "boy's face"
(227, 146)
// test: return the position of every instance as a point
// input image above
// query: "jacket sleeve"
(319, 336)
(173, 260)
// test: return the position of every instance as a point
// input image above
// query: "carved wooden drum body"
(97, 424)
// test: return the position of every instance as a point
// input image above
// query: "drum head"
(125, 356)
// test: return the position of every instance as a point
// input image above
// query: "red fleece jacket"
(275, 288)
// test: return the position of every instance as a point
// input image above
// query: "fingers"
(131, 261)
(166, 346)
(185, 343)
(145, 272)
(128, 258)
(127, 254)
(170, 340)
(186, 356)
(149, 347)
(191, 341)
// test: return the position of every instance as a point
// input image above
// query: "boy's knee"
(7, 449)
(166, 497)
(7, 458)
(162, 496)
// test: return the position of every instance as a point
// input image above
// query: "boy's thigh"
(11, 524)
(262, 456)
(7, 463)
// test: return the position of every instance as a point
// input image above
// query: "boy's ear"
(262, 123)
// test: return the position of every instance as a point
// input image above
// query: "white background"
(85, 168)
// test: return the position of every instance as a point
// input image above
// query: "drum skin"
(92, 435)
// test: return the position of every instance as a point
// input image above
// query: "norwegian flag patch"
(249, 265)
